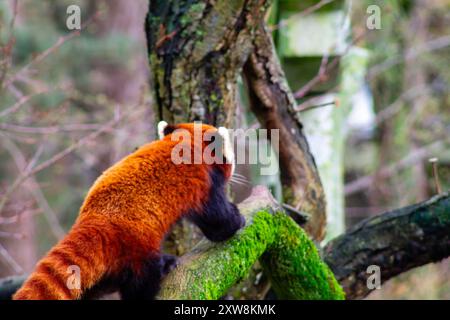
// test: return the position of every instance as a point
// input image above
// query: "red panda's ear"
(164, 129)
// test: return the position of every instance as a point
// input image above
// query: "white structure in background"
(362, 116)
(309, 38)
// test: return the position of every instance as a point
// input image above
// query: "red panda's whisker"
(239, 181)
(240, 178)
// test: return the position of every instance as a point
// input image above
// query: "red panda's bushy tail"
(74, 265)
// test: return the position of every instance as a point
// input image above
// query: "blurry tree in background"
(72, 104)
(64, 93)
(409, 80)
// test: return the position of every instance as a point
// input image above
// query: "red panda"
(117, 236)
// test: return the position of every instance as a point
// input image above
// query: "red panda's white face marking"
(203, 132)
(228, 151)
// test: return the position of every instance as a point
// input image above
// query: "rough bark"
(196, 50)
(396, 241)
(273, 103)
(289, 257)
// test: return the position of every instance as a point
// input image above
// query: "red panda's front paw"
(237, 216)
(242, 221)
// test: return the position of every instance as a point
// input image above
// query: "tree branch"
(273, 103)
(9, 285)
(396, 241)
(287, 254)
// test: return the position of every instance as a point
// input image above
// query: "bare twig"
(35, 157)
(319, 77)
(389, 111)
(313, 104)
(22, 100)
(19, 216)
(16, 106)
(412, 53)
(40, 57)
(50, 129)
(7, 49)
(414, 157)
(10, 260)
(25, 175)
(283, 23)
(33, 186)
(325, 68)
(12, 235)
(434, 163)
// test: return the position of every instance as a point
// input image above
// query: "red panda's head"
(215, 143)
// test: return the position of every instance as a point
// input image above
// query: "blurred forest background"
(375, 105)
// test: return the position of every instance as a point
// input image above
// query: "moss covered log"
(288, 255)
(396, 241)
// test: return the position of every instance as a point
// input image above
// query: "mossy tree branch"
(287, 254)
(396, 241)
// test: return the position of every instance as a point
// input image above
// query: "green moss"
(289, 256)
(211, 269)
(295, 267)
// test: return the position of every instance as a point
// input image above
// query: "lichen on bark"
(195, 70)
(396, 241)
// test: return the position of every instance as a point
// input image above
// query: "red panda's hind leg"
(145, 284)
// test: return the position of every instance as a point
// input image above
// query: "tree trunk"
(196, 51)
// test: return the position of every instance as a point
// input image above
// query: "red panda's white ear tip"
(161, 126)
(228, 146)
(223, 131)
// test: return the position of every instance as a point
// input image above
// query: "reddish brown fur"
(124, 217)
